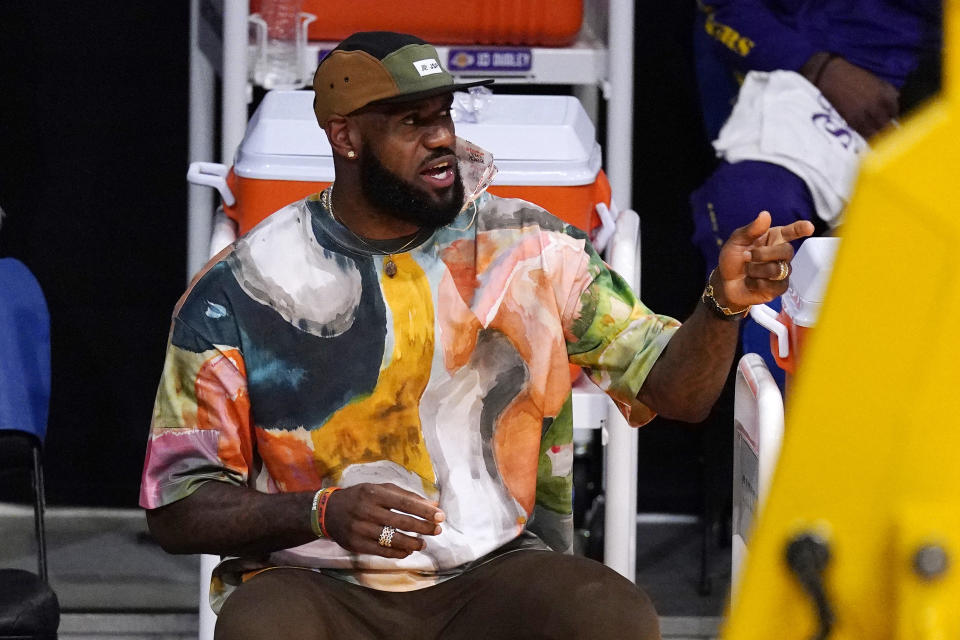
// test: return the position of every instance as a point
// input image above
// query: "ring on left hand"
(784, 271)
(386, 536)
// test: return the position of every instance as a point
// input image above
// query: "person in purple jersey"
(859, 53)
(866, 57)
(871, 60)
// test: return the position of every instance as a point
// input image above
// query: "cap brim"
(429, 93)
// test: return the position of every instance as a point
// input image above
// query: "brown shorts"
(523, 594)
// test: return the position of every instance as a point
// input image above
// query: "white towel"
(782, 119)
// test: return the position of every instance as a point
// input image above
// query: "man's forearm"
(225, 519)
(688, 376)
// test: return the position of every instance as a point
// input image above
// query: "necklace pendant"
(390, 268)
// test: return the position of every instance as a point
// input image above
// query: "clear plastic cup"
(281, 31)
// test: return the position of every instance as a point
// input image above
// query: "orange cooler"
(551, 23)
(544, 147)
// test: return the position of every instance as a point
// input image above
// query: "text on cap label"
(427, 67)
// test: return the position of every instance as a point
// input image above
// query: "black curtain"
(93, 130)
(672, 156)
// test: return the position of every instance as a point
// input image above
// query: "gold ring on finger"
(386, 536)
(784, 271)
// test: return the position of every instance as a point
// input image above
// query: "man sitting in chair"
(365, 404)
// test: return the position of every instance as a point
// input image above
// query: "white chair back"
(758, 433)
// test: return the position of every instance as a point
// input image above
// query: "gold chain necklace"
(389, 266)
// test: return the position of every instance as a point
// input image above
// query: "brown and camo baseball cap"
(379, 67)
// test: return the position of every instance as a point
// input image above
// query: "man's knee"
(604, 604)
(583, 599)
(279, 603)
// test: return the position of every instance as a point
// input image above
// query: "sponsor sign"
(492, 60)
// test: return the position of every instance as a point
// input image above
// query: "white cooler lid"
(810, 273)
(535, 141)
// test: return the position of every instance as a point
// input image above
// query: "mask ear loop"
(473, 218)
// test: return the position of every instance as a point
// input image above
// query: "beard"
(391, 194)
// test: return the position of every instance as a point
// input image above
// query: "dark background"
(92, 178)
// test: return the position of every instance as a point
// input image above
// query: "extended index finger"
(790, 232)
(400, 499)
(749, 234)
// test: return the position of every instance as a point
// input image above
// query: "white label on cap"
(428, 66)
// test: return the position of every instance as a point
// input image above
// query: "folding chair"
(758, 433)
(28, 607)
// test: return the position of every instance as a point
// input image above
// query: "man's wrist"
(318, 511)
(720, 308)
(813, 68)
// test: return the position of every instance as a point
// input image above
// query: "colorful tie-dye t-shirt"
(296, 362)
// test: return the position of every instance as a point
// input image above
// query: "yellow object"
(871, 454)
